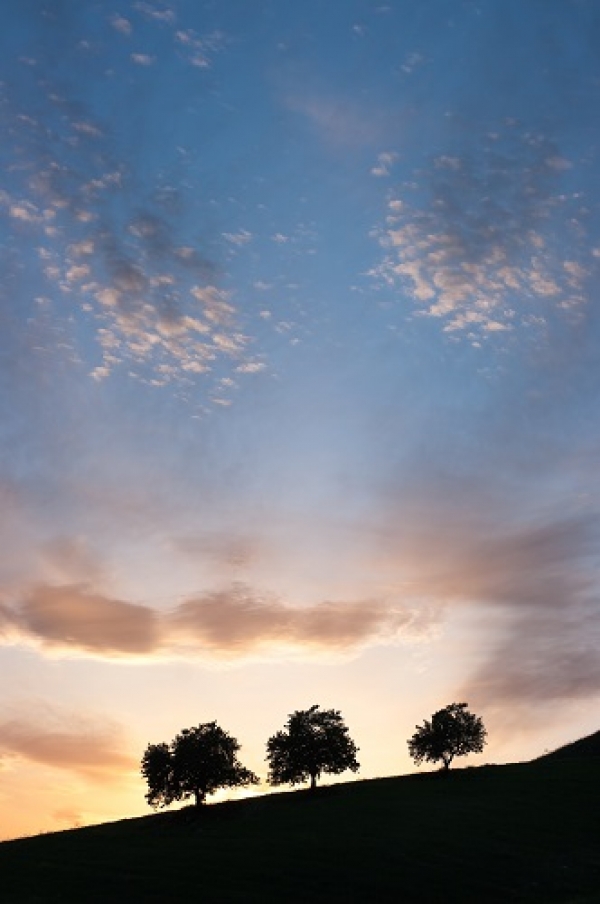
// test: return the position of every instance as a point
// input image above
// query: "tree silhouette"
(157, 769)
(196, 763)
(314, 741)
(452, 731)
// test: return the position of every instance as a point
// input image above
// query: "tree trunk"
(199, 797)
(313, 781)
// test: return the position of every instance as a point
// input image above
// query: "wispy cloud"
(243, 237)
(121, 24)
(541, 656)
(197, 49)
(411, 62)
(384, 164)
(200, 49)
(158, 13)
(143, 59)
(526, 581)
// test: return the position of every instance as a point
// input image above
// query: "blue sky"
(299, 380)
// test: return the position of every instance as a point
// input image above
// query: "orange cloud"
(228, 622)
(95, 752)
(237, 621)
(72, 616)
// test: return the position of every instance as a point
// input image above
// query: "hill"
(584, 747)
(525, 833)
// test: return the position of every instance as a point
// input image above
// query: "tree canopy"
(452, 731)
(197, 762)
(313, 741)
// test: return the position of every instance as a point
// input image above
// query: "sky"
(299, 381)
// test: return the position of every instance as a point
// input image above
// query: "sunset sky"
(300, 376)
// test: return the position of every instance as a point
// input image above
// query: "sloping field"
(524, 832)
(584, 747)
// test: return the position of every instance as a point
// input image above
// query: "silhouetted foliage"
(452, 731)
(196, 763)
(157, 769)
(314, 741)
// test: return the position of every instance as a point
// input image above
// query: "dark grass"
(526, 832)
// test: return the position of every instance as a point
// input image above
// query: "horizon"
(233, 796)
(300, 347)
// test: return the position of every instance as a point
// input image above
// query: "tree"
(157, 769)
(453, 731)
(314, 741)
(196, 763)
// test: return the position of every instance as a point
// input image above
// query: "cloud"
(130, 271)
(239, 621)
(87, 128)
(26, 212)
(543, 656)
(235, 622)
(411, 62)
(496, 238)
(121, 24)
(539, 564)
(143, 59)
(385, 161)
(525, 580)
(200, 49)
(251, 367)
(163, 14)
(546, 585)
(90, 749)
(72, 617)
(197, 49)
(238, 238)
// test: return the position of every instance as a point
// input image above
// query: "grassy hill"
(524, 832)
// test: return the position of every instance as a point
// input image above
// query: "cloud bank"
(73, 619)
(528, 587)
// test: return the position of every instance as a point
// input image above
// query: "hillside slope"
(584, 747)
(525, 833)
